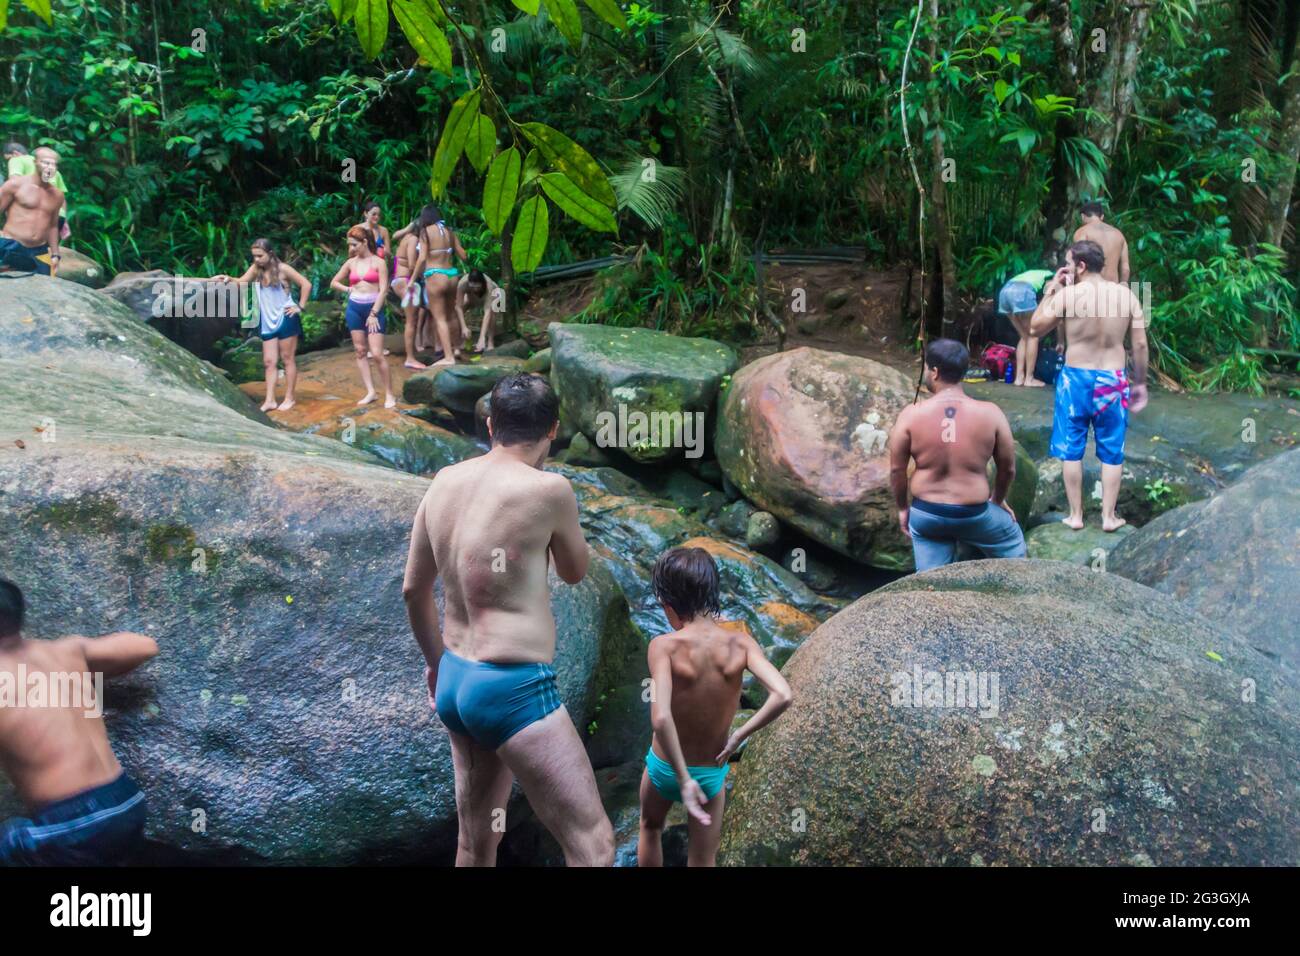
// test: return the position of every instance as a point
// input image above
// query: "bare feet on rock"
(269, 405)
(1073, 523)
(1035, 383)
(414, 365)
(370, 397)
(390, 402)
(1113, 523)
(287, 404)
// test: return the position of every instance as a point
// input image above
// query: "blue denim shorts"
(103, 826)
(1017, 297)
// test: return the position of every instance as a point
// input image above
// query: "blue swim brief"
(664, 777)
(1090, 396)
(103, 826)
(491, 702)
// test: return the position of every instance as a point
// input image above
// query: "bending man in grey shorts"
(952, 436)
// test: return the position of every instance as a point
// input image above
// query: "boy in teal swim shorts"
(695, 678)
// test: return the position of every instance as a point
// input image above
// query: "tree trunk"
(1288, 145)
(1113, 96)
(1064, 189)
(939, 194)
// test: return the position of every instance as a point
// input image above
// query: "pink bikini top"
(371, 276)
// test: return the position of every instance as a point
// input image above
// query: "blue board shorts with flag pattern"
(1090, 397)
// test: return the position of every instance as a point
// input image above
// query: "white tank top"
(271, 300)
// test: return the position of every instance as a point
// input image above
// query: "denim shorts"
(103, 826)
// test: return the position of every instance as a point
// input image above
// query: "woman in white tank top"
(279, 317)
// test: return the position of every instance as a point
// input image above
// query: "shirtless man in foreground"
(1114, 247)
(952, 436)
(1093, 388)
(29, 241)
(84, 811)
(487, 526)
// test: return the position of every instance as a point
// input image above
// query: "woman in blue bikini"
(438, 244)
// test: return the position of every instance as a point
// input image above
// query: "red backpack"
(996, 358)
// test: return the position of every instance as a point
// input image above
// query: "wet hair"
(1092, 209)
(1090, 254)
(268, 274)
(369, 206)
(430, 215)
(12, 148)
(362, 234)
(476, 281)
(524, 409)
(949, 358)
(12, 608)
(686, 580)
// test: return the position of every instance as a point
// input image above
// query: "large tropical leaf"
(651, 193)
(528, 6)
(564, 13)
(41, 8)
(500, 189)
(482, 143)
(372, 26)
(460, 121)
(568, 157)
(420, 24)
(565, 194)
(608, 11)
(532, 229)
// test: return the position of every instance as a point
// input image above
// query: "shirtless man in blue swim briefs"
(489, 527)
(1094, 388)
(695, 674)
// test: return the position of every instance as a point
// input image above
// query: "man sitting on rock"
(1094, 389)
(487, 526)
(84, 811)
(29, 241)
(951, 437)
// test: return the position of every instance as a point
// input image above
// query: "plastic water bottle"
(1011, 371)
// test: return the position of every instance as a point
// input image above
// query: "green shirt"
(25, 165)
(1034, 277)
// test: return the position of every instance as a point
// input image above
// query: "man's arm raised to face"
(417, 590)
(1047, 315)
(117, 653)
(568, 546)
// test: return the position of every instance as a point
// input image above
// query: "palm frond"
(649, 189)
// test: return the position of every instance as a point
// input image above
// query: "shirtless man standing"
(952, 436)
(84, 811)
(487, 526)
(1093, 388)
(31, 207)
(1114, 247)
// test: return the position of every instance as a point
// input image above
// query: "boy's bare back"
(708, 663)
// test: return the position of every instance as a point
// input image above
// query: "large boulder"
(1110, 737)
(142, 491)
(1180, 448)
(1090, 545)
(1233, 557)
(634, 388)
(633, 529)
(193, 313)
(81, 269)
(802, 435)
(458, 387)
